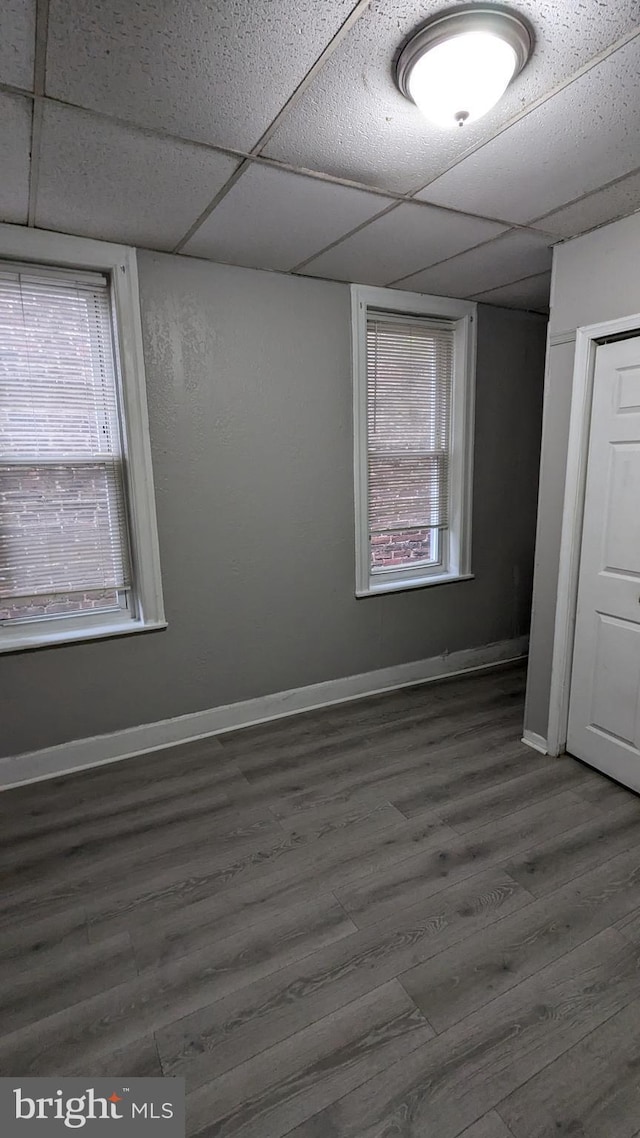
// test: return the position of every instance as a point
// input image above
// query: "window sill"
(376, 588)
(12, 640)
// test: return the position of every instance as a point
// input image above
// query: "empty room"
(320, 568)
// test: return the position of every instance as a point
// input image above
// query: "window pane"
(409, 381)
(59, 604)
(403, 549)
(57, 375)
(56, 529)
(63, 534)
(407, 491)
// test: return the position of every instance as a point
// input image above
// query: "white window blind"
(63, 527)
(409, 384)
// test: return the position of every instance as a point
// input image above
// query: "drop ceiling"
(270, 133)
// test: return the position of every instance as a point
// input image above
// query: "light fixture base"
(503, 24)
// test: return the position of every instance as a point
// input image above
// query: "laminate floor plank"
(410, 769)
(272, 879)
(580, 848)
(274, 742)
(385, 917)
(95, 835)
(593, 1090)
(377, 896)
(320, 821)
(280, 1088)
(457, 982)
(445, 1085)
(55, 884)
(111, 782)
(116, 1016)
(604, 791)
(138, 1060)
(629, 926)
(22, 941)
(491, 1126)
(373, 770)
(236, 1028)
(352, 748)
(466, 812)
(99, 806)
(61, 979)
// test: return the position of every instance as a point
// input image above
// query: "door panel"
(629, 389)
(622, 543)
(616, 679)
(604, 706)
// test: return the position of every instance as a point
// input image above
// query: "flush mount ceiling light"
(458, 66)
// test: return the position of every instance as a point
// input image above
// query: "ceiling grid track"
(256, 156)
(249, 158)
(454, 257)
(612, 48)
(39, 77)
(295, 96)
(411, 196)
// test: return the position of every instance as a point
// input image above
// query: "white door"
(604, 706)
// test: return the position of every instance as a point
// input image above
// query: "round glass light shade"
(457, 66)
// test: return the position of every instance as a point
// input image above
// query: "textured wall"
(249, 389)
(595, 278)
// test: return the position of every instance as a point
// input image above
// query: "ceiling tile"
(15, 146)
(510, 258)
(586, 135)
(17, 42)
(217, 72)
(352, 121)
(532, 293)
(404, 240)
(102, 179)
(272, 219)
(606, 205)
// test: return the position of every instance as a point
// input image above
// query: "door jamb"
(587, 340)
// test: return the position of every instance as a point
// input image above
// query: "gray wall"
(249, 390)
(595, 278)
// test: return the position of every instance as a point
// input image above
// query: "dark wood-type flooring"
(385, 918)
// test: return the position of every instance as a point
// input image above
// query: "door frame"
(588, 339)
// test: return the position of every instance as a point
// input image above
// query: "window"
(78, 546)
(414, 361)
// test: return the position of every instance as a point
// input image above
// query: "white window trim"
(119, 261)
(458, 557)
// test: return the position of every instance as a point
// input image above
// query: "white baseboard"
(537, 742)
(65, 758)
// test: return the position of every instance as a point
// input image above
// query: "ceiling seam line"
(509, 227)
(605, 54)
(507, 284)
(454, 257)
(354, 15)
(266, 160)
(254, 154)
(588, 194)
(351, 233)
(11, 89)
(302, 171)
(275, 163)
(530, 226)
(221, 194)
(244, 155)
(397, 198)
(378, 191)
(39, 73)
(335, 41)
